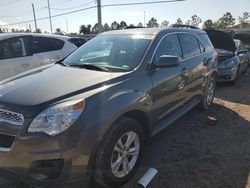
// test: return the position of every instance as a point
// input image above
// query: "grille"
(11, 117)
(6, 141)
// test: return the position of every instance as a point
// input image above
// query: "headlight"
(57, 118)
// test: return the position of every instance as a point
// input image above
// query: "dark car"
(245, 38)
(78, 41)
(242, 52)
(231, 60)
(89, 115)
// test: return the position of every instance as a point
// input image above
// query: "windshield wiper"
(90, 67)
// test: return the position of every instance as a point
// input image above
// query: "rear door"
(46, 50)
(194, 61)
(15, 56)
(168, 83)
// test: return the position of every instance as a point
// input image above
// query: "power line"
(73, 7)
(9, 3)
(54, 16)
(142, 3)
(91, 7)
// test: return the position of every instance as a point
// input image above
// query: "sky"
(14, 11)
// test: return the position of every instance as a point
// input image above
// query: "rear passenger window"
(207, 43)
(44, 44)
(170, 45)
(190, 45)
(14, 48)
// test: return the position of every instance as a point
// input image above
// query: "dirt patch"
(205, 149)
(202, 149)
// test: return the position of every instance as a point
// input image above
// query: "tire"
(209, 92)
(106, 155)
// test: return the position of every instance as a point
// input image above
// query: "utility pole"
(99, 15)
(51, 29)
(67, 26)
(34, 14)
(144, 19)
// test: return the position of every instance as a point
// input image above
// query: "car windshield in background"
(115, 53)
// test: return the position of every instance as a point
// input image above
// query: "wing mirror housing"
(167, 61)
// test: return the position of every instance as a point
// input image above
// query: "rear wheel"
(209, 93)
(119, 153)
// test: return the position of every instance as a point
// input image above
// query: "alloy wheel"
(125, 154)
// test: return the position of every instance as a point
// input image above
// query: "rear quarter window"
(45, 44)
(207, 42)
(190, 45)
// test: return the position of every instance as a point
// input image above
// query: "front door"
(168, 83)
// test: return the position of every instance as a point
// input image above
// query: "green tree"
(38, 30)
(106, 27)
(85, 29)
(244, 20)
(165, 23)
(115, 25)
(179, 21)
(208, 24)
(195, 20)
(95, 29)
(226, 21)
(123, 25)
(152, 23)
(140, 25)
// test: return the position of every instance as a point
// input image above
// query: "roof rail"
(133, 27)
(183, 26)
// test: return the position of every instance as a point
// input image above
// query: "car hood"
(244, 37)
(51, 84)
(221, 40)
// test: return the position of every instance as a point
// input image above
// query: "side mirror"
(167, 61)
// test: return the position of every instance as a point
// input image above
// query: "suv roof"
(151, 31)
(10, 35)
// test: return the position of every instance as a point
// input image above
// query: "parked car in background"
(21, 52)
(231, 60)
(78, 41)
(242, 52)
(245, 38)
(89, 115)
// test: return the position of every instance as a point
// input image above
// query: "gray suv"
(89, 115)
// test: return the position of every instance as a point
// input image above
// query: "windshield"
(116, 53)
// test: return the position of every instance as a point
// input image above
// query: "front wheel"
(119, 153)
(208, 96)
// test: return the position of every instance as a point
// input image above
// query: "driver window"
(170, 45)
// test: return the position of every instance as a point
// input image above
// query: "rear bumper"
(227, 74)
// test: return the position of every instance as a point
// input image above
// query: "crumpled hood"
(244, 37)
(221, 40)
(50, 83)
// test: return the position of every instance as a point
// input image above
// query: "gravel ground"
(202, 149)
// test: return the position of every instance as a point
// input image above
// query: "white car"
(20, 52)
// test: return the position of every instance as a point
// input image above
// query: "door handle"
(185, 72)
